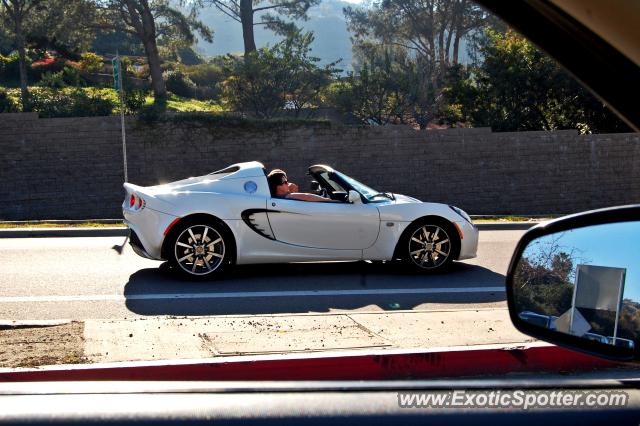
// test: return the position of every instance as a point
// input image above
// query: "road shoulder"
(205, 337)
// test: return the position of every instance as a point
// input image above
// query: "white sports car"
(204, 224)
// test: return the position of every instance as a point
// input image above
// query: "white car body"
(271, 230)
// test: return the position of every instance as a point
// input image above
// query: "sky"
(614, 245)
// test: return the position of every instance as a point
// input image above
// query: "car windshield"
(369, 193)
(476, 133)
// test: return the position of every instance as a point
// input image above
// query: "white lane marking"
(248, 294)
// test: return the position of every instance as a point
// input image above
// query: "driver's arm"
(309, 197)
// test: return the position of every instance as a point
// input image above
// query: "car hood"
(402, 199)
(398, 199)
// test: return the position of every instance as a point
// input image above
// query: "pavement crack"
(208, 344)
(369, 331)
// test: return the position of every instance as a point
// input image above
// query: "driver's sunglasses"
(284, 182)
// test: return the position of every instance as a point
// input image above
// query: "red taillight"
(136, 202)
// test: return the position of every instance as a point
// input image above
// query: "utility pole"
(117, 82)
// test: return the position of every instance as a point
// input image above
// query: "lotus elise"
(204, 225)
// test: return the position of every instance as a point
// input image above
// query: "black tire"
(199, 249)
(429, 245)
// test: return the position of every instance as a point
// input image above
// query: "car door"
(324, 225)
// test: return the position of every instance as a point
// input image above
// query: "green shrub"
(179, 83)
(207, 78)
(72, 77)
(188, 56)
(6, 103)
(52, 80)
(68, 76)
(9, 69)
(134, 101)
(339, 95)
(91, 63)
(208, 75)
(73, 102)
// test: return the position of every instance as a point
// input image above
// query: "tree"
(15, 14)
(107, 42)
(516, 86)
(245, 11)
(270, 80)
(36, 24)
(460, 94)
(431, 29)
(6, 41)
(543, 279)
(542, 289)
(428, 32)
(253, 83)
(150, 20)
(59, 25)
(381, 93)
(303, 78)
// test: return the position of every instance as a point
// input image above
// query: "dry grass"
(13, 225)
(37, 346)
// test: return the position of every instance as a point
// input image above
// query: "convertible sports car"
(204, 224)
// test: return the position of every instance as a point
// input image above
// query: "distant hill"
(332, 40)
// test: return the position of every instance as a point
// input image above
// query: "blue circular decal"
(250, 187)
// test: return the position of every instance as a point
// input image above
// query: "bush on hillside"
(179, 83)
(73, 102)
(6, 103)
(91, 63)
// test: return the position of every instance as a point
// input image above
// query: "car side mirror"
(354, 197)
(575, 282)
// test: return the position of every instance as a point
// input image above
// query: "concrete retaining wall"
(71, 168)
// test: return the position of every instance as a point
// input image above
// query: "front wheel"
(199, 250)
(429, 247)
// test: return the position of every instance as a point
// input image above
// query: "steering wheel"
(324, 193)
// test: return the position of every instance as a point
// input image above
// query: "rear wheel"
(200, 250)
(429, 246)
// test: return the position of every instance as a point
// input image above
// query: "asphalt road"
(86, 278)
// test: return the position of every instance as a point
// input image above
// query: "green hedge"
(73, 102)
(69, 101)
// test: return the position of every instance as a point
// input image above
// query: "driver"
(281, 188)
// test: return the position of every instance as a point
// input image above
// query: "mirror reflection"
(583, 282)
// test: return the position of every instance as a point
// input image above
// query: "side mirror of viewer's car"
(354, 197)
(575, 282)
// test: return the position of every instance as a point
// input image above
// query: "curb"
(393, 365)
(123, 232)
(63, 232)
(505, 226)
(68, 222)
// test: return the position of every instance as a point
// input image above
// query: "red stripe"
(426, 365)
(176, 220)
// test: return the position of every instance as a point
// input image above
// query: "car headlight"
(462, 213)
